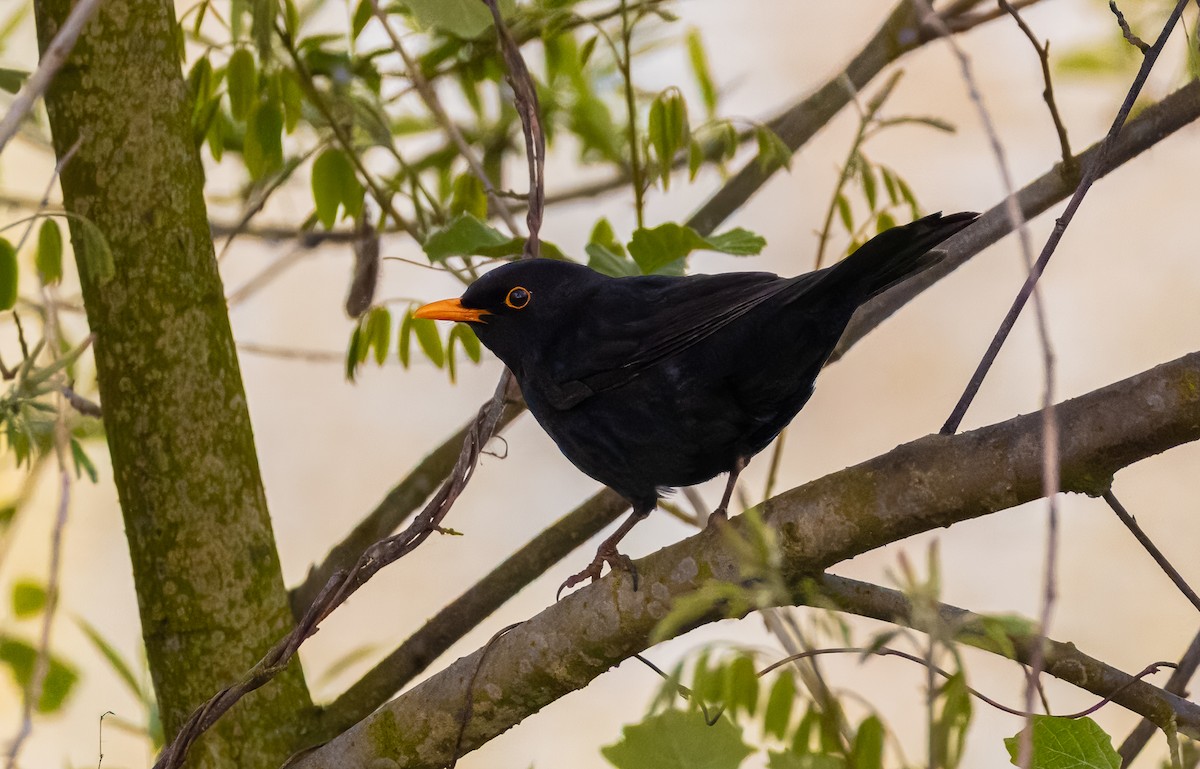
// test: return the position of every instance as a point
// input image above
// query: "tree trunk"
(210, 590)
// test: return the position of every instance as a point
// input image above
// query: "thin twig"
(1176, 684)
(885, 651)
(1091, 173)
(625, 64)
(1050, 476)
(1043, 52)
(1130, 38)
(1150, 548)
(430, 97)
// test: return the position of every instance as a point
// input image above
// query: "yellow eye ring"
(518, 298)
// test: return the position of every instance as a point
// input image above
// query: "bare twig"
(1043, 52)
(1091, 173)
(885, 651)
(81, 404)
(1050, 421)
(1151, 548)
(526, 99)
(1130, 38)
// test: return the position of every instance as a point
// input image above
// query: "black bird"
(652, 382)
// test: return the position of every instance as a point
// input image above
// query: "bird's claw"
(614, 560)
(717, 517)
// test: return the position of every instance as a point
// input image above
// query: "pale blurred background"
(1120, 295)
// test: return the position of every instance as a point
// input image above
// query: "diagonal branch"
(932, 482)
(1151, 126)
(900, 33)
(1092, 172)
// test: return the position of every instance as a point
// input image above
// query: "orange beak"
(450, 309)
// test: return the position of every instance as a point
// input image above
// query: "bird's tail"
(893, 255)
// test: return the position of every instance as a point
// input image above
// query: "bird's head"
(516, 309)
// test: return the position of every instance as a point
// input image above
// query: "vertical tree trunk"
(209, 585)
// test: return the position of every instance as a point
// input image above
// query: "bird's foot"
(614, 560)
(717, 517)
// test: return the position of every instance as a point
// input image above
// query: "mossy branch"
(932, 482)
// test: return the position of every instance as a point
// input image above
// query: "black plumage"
(652, 382)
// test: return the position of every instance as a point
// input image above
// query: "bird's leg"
(722, 511)
(607, 553)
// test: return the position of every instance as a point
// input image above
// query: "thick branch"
(458, 617)
(932, 482)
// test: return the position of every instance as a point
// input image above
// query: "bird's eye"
(518, 298)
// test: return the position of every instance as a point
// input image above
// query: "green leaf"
(362, 14)
(741, 686)
(403, 337)
(1065, 743)
(8, 275)
(772, 151)
(884, 222)
(907, 193)
(469, 196)
(97, 256)
(699, 61)
(470, 342)
(377, 330)
(675, 739)
(843, 207)
(352, 351)
(28, 598)
(263, 149)
(889, 184)
(11, 80)
(334, 184)
(869, 185)
(430, 340)
(585, 50)
(695, 159)
(242, 76)
(293, 99)
(737, 242)
(781, 760)
(779, 706)
(655, 249)
(668, 130)
(83, 462)
(867, 751)
(118, 664)
(465, 235)
(602, 260)
(20, 657)
(462, 18)
(49, 252)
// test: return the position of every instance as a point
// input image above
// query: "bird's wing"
(666, 316)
